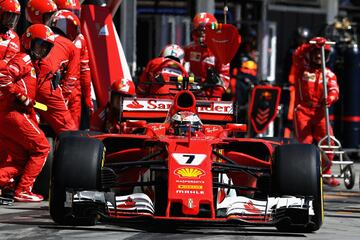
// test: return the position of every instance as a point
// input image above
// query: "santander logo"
(135, 105)
(163, 105)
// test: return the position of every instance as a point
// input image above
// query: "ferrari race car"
(192, 167)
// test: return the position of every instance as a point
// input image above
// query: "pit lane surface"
(32, 221)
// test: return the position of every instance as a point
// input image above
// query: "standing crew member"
(155, 79)
(67, 24)
(25, 143)
(9, 40)
(85, 74)
(63, 60)
(202, 61)
(309, 115)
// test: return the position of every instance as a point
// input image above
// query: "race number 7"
(189, 159)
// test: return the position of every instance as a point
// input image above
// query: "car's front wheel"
(76, 167)
(296, 171)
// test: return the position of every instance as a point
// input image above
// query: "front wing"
(240, 209)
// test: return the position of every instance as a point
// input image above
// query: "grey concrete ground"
(32, 221)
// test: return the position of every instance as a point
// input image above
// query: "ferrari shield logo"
(263, 106)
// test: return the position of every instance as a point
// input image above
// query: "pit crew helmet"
(184, 121)
(200, 21)
(316, 47)
(71, 5)
(123, 87)
(38, 40)
(39, 11)
(66, 22)
(9, 14)
(173, 51)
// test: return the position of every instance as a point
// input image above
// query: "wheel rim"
(348, 177)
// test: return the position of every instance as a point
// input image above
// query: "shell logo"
(189, 172)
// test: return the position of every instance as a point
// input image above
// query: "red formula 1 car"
(185, 170)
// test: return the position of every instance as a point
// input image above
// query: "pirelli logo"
(192, 187)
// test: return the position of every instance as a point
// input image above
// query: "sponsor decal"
(134, 104)
(192, 187)
(129, 203)
(190, 203)
(189, 159)
(189, 172)
(249, 207)
(196, 192)
(190, 181)
(158, 128)
(212, 129)
(163, 105)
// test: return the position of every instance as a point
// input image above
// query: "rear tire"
(297, 172)
(77, 166)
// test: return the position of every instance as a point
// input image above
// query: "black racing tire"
(42, 182)
(77, 166)
(296, 171)
(81, 133)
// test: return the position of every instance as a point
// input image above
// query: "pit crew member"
(67, 24)
(107, 119)
(61, 63)
(9, 40)
(25, 143)
(155, 79)
(85, 74)
(202, 61)
(309, 115)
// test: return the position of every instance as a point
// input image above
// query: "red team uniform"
(9, 40)
(9, 46)
(25, 143)
(201, 59)
(64, 56)
(309, 115)
(68, 24)
(154, 81)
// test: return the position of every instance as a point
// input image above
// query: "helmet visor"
(181, 129)
(68, 29)
(46, 17)
(40, 48)
(10, 19)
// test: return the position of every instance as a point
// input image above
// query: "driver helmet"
(173, 51)
(38, 40)
(184, 121)
(200, 21)
(71, 5)
(9, 14)
(39, 11)
(66, 22)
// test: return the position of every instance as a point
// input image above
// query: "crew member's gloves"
(330, 100)
(320, 41)
(90, 105)
(55, 81)
(25, 100)
(213, 78)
